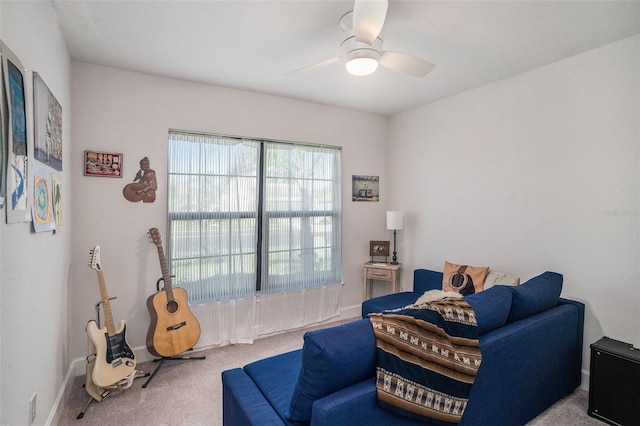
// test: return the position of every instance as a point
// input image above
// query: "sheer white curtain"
(250, 219)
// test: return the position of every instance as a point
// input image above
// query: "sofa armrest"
(355, 405)
(529, 364)
(423, 280)
(243, 403)
(579, 332)
(389, 301)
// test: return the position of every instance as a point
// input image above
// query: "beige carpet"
(190, 392)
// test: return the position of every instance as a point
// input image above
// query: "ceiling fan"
(362, 48)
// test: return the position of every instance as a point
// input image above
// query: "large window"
(249, 215)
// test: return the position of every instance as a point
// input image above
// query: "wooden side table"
(381, 272)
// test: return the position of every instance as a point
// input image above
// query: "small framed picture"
(378, 248)
(365, 188)
(108, 164)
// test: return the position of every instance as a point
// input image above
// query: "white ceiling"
(254, 44)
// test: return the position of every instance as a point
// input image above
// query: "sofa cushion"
(491, 307)
(329, 363)
(464, 279)
(536, 295)
(275, 377)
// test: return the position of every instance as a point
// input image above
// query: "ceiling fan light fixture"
(361, 66)
(361, 58)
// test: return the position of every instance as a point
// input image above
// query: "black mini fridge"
(614, 384)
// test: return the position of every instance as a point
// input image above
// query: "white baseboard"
(63, 395)
(350, 312)
(585, 380)
(79, 365)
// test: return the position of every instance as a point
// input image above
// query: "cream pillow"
(498, 278)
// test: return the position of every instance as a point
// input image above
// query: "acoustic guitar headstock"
(155, 236)
(94, 259)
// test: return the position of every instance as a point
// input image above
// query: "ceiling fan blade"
(404, 63)
(368, 18)
(317, 65)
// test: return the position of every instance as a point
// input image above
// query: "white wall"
(34, 268)
(535, 172)
(131, 113)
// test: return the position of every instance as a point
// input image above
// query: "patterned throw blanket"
(427, 359)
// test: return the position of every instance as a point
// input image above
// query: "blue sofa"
(530, 339)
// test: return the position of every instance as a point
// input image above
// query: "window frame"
(263, 217)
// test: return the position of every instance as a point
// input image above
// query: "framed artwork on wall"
(365, 188)
(47, 114)
(56, 188)
(106, 164)
(3, 133)
(17, 176)
(42, 203)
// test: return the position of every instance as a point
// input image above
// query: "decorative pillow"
(498, 278)
(328, 364)
(536, 295)
(464, 279)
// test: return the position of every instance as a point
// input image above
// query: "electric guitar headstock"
(94, 259)
(155, 236)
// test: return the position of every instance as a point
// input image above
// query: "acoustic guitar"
(115, 359)
(173, 328)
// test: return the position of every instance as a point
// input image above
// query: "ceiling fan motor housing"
(352, 49)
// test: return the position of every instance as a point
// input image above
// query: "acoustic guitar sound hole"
(458, 280)
(172, 307)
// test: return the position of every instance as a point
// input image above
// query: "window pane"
(185, 239)
(302, 187)
(184, 156)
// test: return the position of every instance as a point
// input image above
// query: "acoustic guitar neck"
(166, 278)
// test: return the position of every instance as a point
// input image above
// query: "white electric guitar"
(115, 359)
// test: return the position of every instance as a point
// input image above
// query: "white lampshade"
(394, 220)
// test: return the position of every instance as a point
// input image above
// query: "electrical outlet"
(32, 409)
